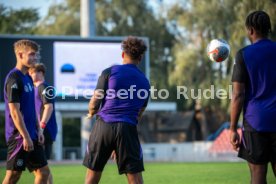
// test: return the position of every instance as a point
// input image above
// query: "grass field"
(157, 173)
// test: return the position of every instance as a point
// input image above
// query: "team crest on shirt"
(19, 163)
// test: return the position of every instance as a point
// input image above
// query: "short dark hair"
(260, 22)
(38, 67)
(134, 47)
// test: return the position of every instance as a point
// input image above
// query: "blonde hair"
(25, 44)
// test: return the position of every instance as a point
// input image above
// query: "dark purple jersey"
(126, 92)
(255, 66)
(42, 97)
(19, 88)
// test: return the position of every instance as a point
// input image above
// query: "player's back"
(124, 106)
(260, 102)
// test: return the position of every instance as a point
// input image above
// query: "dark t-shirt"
(41, 98)
(19, 88)
(126, 93)
(255, 66)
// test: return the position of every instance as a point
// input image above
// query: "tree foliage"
(200, 22)
(62, 19)
(21, 21)
(122, 18)
(114, 18)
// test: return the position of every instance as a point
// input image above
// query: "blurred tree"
(196, 23)
(242, 9)
(201, 21)
(62, 19)
(137, 18)
(20, 21)
(114, 18)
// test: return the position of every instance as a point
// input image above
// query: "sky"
(43, 5)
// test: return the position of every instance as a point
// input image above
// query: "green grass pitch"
(157, 173)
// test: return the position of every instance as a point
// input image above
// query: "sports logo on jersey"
(14, 86)
(30, 87)
(19, 163)
(26, 89)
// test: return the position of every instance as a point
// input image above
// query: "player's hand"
(113, 155)
(40, 137)
(28, 144)
(235, 139)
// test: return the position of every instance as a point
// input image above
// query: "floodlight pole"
(87, 18)
(88, 30)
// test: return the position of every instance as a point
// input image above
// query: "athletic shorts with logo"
(18, 159)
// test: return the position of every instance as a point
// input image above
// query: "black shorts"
(48, 149)
(121, 137)
(48, 144)
(258, 147)
(18, 159)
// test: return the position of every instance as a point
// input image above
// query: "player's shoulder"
(273, 43)
(42, 86)
(13, 76)
(107, 71)
(240, 51)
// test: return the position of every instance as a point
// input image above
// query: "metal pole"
(88, 21)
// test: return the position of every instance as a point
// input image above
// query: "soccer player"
(45, 109)
(254, 91)
(119, 100)
(22, 131)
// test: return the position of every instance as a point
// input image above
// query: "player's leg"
(41, 175)
(255, 148)
(37, 163)
(48, 151)
(273, 152)
(11, 177)
(98, 151)
(135, 178)
(129, 153)
(258, 173)
(50, 178)
(92, 177)
(273, 166)
(16, 160)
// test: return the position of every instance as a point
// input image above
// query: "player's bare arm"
(47, 112)
(236, 108)
(95, 103)
(20, 125)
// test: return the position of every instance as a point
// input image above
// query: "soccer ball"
(218, 50)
